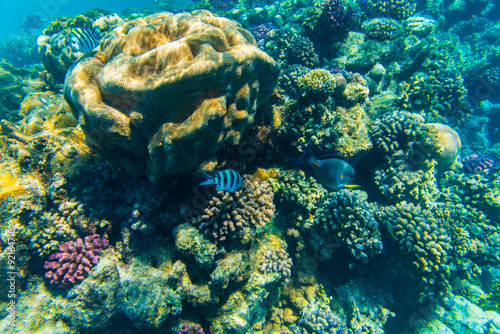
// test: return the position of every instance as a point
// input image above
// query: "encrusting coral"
(167, 84)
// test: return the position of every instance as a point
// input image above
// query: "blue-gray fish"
(82, 39)
(332, 171)
(227, 179)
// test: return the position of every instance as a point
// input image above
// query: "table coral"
(149, 95)
(74, 260)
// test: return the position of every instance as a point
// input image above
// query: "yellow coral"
(446, 145)
(167, 91)
(317, 81)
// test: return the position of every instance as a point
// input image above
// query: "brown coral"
(166, 85)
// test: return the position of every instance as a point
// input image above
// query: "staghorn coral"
(350, 219)
(74, 260)
(438, 85)
(119, 94)
(237, 215)
(303, 192)
(480, 190)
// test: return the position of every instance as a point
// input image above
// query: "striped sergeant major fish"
(82, 39)
(227, 179)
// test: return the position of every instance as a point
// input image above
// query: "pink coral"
(74, 260)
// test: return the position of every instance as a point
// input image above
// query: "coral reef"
(317, 81)
(277, 261)
(329, 21)
(382, 29)
(289, 48)
(476, 163)
(444, 144)
(237, 215)
(350, 220)
(74, 260)
(399, 9)
(422, 236)
(205, 119)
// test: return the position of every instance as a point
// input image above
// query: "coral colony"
(254, 166)
(74, 260)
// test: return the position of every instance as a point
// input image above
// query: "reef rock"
(167, 91)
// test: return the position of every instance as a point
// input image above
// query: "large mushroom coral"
(167, 91)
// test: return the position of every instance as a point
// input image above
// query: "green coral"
(382, 29)
(317, 81)
(422, 236)
(348, 216)
(289, 48)
(399, 9)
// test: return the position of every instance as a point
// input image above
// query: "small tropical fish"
(82, 39)
(32, 21)
(332, 171)
(227, 179)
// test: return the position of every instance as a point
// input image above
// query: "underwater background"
(250, 166)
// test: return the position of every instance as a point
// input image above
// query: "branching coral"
(74, 260)
(290, 48)
(206, 69)
(317, 81)
(399, 9)
(382, 29)
(425, 238)
(237, 215)
(350, 220)
(276, 261)
(329, 21)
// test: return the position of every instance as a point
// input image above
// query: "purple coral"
(334, 21)
(74, 260)
(260, 31)
(222, 5)
(476, 163)
(190, 329)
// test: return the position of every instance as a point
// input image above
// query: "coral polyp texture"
(167, 84)
(237, 215)
(74, 260)
(276, 261)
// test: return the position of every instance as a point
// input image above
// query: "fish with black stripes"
(82, 39)
(227, 179)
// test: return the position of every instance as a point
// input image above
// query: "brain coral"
(164, 85)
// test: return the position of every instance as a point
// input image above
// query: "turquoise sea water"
(362, 139)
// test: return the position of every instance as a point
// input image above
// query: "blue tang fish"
(331, 170)
(227, 179)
